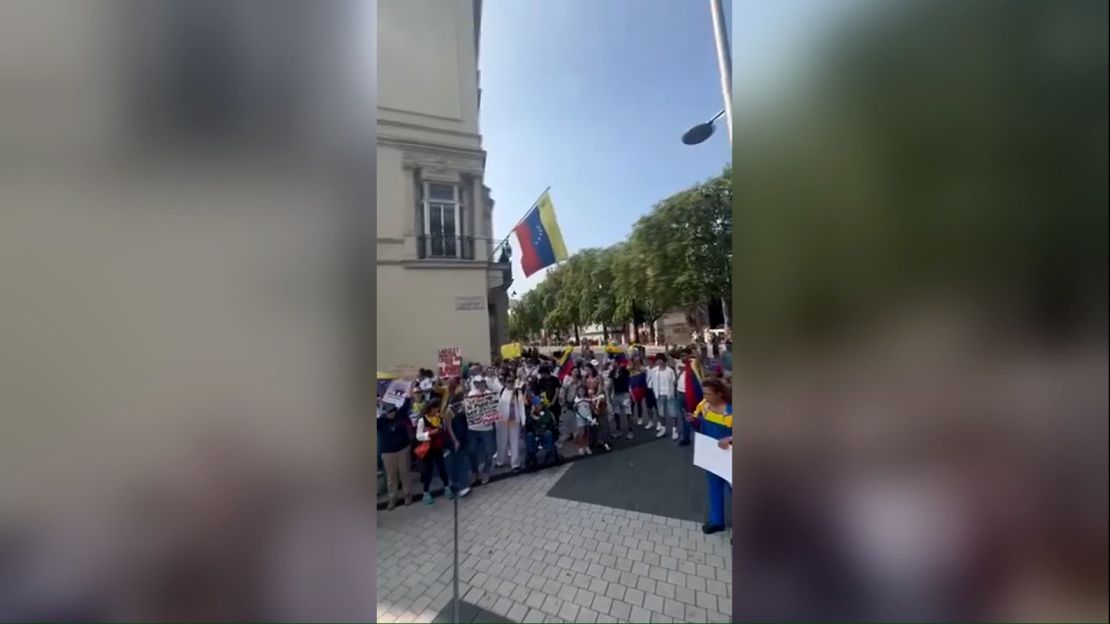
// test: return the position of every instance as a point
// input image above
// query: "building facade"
(439, 284)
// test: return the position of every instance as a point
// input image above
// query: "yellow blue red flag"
(539, 236)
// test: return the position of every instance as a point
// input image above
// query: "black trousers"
(433, 461)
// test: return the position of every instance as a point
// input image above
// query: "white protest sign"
(396, 393)
(709, 456)
(481, 409)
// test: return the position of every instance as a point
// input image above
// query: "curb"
(439, 492)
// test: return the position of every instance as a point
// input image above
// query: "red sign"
(450, 362)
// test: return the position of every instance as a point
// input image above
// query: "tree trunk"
(577, 339)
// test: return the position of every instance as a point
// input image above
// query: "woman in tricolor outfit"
(713, 417)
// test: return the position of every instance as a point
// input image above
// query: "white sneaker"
(659, 433)
(463, 492)
(648, 426)
(629, 436)
(581, 452)
(588, 451)
(674, 434)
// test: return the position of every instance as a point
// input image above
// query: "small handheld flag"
(566, 363)
(693, 392)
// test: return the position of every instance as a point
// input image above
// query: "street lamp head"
(699, 133)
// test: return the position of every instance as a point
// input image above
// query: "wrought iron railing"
(457, 247)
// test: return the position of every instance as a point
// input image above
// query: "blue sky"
(591, 98)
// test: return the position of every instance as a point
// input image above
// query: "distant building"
(438, 282)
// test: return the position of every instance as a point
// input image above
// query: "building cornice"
(432, 147)
(441, 264)
(438, 157)
(423, 128)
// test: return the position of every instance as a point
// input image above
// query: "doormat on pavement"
(469, 614)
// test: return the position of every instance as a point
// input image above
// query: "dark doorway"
(716, 313)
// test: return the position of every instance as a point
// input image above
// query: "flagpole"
(510, 234)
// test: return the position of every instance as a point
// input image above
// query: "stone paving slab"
(469, 614)
(529, 557)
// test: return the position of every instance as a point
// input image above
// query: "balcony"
(445, 247)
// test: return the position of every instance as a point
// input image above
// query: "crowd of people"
(551, 406)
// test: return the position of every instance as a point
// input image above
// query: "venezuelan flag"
(541, 241)
(637, 386)
(566, 363)
(693, 392)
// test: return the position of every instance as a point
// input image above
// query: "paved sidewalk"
(534, 558)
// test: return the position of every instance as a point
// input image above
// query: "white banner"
(397, 392)
(482, 409)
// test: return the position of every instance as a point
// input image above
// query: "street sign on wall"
(470, 303)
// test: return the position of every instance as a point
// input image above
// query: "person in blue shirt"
(713, 417)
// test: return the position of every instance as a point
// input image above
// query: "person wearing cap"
(482, 438)
(393, 438)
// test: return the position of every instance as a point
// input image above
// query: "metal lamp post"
(703, 131)
(724, 58)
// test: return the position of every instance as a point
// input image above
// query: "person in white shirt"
(651, 404)
(665, 380)
(680, 402)
(509, 430)
(583, 420)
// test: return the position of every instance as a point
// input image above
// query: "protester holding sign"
(482, 440)
(713, 417)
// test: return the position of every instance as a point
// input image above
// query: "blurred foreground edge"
(921, 261)
(186, 222)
